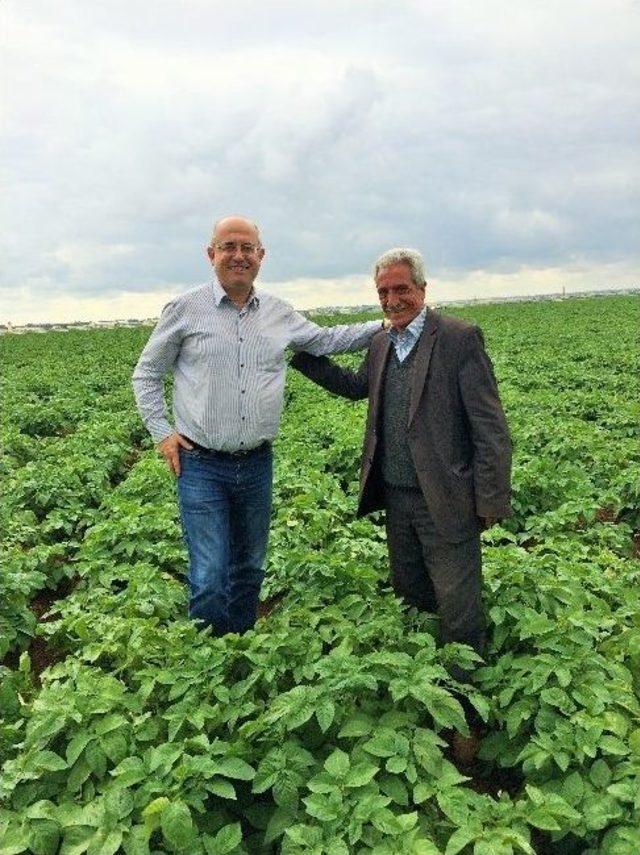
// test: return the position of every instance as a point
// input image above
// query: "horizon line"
(8, 326)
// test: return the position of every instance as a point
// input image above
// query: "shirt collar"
(219, 294)
(412, 330)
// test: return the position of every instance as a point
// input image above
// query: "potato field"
(125, 729)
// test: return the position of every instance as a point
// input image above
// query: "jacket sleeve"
(334, 378)
(488, 426)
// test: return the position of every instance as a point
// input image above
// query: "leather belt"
(228, 455)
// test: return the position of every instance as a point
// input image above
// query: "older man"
(224, 342)
(437, 452)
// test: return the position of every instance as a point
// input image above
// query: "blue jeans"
(225, 507)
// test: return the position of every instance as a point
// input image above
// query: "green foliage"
(324, 730)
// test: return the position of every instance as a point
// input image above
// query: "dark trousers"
(434, 575)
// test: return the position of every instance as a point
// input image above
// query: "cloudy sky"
(499, 137)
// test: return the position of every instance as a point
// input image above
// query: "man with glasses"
(225, 344)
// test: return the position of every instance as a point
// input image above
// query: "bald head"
(232, 224)
(236, 253)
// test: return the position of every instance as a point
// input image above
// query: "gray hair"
(403, 255)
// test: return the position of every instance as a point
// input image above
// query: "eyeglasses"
(231, 246)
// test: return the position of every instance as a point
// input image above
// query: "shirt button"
(242, 365)
(241, 339)
(242, 390)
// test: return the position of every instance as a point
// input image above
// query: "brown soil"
(493, 781)
(43, 601)
(529, 543)
(484, 779)
(267, 606)
(41, 653)
(606, 514)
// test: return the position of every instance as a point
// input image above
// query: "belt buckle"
(243, 452)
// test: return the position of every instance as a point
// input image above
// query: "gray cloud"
(492, 136)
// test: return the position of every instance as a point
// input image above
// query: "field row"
(324, 730)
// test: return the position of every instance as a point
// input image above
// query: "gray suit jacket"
(457, 430)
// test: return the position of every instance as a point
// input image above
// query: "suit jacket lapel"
(377, 373)
(421, 363)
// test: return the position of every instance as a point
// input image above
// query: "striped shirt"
(228, 365)
(404, 340)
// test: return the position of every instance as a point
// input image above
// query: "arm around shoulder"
(334, 378)
(320, 340)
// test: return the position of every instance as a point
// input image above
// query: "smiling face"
(236, 254)
(400, 298)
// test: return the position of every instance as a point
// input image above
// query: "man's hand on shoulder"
(169, 448)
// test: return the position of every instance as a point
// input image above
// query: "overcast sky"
(498, 137)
